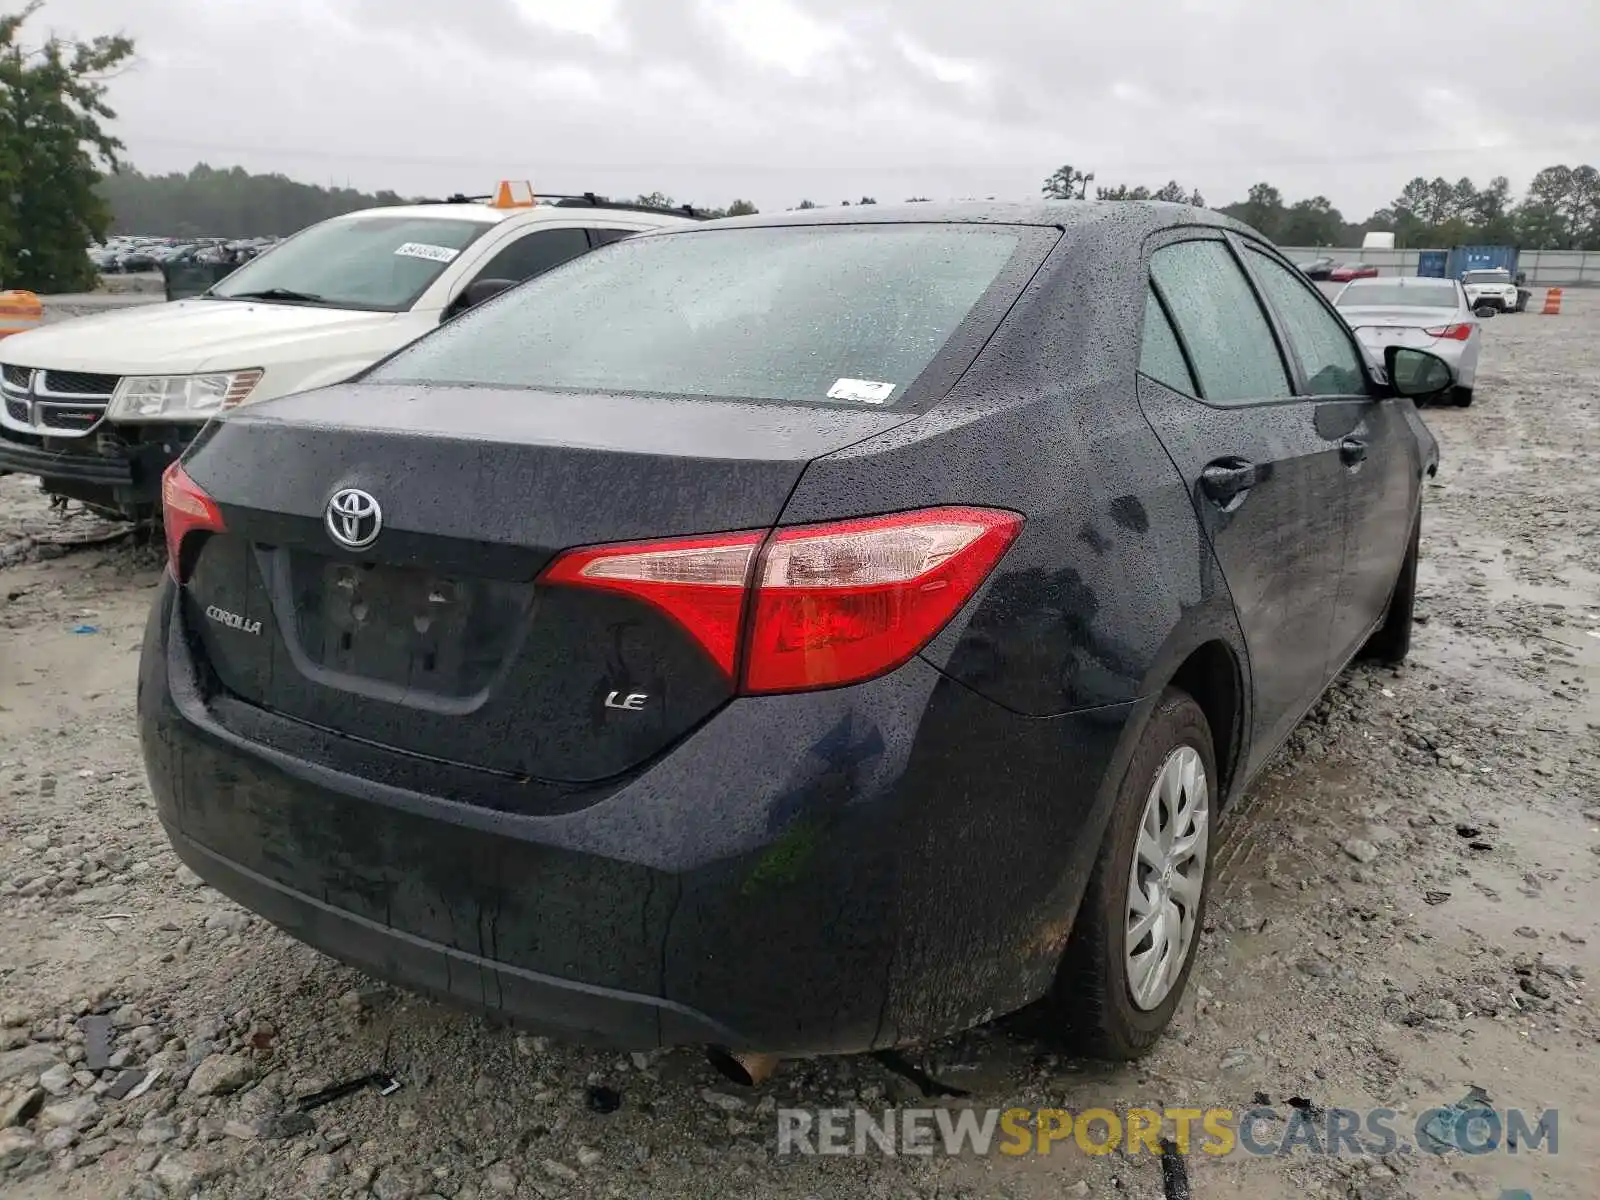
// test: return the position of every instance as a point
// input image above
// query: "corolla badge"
(354, 518)
(233, 620)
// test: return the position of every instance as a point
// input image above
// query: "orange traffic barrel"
(19, 312)
(1552, 303)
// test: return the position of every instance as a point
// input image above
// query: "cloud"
(776, 100)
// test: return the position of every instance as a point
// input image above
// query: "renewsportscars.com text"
(1212, 1131)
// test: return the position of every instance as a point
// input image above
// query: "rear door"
(1262, 468)
(1378, 453)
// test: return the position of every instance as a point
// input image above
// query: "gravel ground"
(1405, 909)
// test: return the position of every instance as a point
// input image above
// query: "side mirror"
(1417, 373)
(1484, 310)
(475, 293)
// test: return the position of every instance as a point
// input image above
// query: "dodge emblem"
(353, 518)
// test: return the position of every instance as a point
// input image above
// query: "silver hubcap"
(1169, 871)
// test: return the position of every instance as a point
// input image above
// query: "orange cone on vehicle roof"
(514, 193)
(1552, 303)
(19, 312)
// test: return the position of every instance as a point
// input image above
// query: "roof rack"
(590, 200)
(457, 198)
(581, 200)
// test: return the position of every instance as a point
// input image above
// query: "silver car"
(1430, 314)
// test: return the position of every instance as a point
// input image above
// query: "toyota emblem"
(353, 518)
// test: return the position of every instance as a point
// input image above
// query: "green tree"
(1262, 210)
(1439, 206)
(1491, 213)
(742, 208)
(1411, 210)
(806, 204)
(1065, 183)
(1313, 222)
(1175, 193)
(1544, 218)
(1582, 208)
(225, 202)
(52, 143)
(1172, 192)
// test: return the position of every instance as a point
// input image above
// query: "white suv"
(1492, 289)
(97, 407)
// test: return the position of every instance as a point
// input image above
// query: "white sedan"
(1430, 314)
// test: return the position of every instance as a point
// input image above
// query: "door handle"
(1228, 478)
(1352, 451)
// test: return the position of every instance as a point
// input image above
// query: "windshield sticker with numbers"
(423, 250)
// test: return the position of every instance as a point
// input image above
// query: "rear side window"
(1223, 327)
(1330, 362)
(604, 237)
(1160, 356)
(847, 314)
(535, 253)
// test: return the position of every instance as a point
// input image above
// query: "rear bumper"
(817, 873)
(453, 975)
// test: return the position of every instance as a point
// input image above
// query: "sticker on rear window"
(424, 250)
(864, 391)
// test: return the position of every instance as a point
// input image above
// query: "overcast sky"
(779, 100)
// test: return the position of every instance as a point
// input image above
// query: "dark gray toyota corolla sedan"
(795, 634)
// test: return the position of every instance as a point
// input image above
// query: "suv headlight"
(176, 397)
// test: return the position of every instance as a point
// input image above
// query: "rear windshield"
(1397, 295)
(1487, 277)
(816, 314)
(379, 263)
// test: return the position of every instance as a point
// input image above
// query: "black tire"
(1392, 642)
(1090, 1007)
(1461, 397)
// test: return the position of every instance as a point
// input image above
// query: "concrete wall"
(1544, 268)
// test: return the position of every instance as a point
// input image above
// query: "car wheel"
(1134, 941)
(1461, 397)
(1392, 642)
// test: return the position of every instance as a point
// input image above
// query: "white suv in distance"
(1490, 289)
(97, 407)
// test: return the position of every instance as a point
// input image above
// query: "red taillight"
(185, 509)
(1455, 333)
(698, 582)
(829, 604)
(843, 602)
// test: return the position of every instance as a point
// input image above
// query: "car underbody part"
(744, 1068)
(906, 1069)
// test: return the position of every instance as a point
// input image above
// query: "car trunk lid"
(1399, 326)
(435, 639)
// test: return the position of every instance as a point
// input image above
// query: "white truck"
(97, 407)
